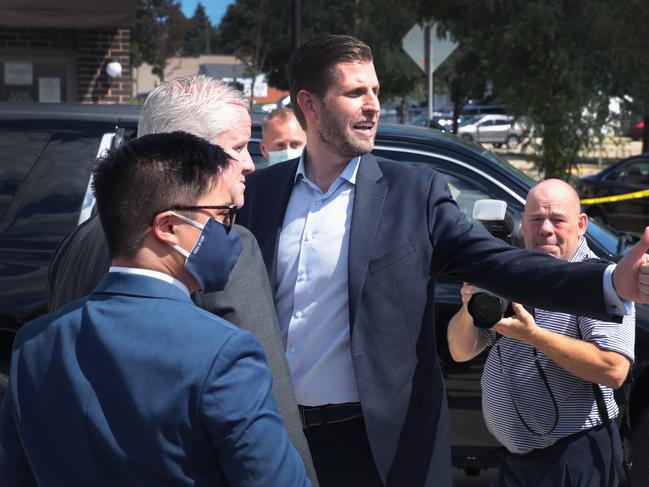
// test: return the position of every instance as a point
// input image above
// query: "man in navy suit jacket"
(134, 384)
(353, 246)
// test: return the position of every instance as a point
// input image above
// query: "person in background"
(547, 384)
(282, 137)
(134, 384)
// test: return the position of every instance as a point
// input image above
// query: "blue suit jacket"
(406, 230)
(136, 385)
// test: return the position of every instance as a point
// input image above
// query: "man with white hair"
(218, 113)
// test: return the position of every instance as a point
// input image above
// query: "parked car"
(625, 176)
(492, 129)
(45, 155)
(445, 121)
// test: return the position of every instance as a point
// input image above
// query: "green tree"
(159, 33)
(265, 40)
(631, 68)
(462, 75)
(248, 31)
(547, 60)
(198, 37)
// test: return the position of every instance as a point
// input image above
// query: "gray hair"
(199, 105)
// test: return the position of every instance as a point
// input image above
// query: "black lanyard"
(544, 378)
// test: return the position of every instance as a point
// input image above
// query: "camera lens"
(486, 309)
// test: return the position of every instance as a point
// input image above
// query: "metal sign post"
(428, 47)
(429, 52)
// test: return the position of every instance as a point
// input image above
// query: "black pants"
(584, 459)
(341, 455)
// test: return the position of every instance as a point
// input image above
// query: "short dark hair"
(312, 65)
(138, 180)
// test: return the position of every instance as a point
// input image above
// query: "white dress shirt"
(311, 288)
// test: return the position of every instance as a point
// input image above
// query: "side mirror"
(489, 210)
(492, 214)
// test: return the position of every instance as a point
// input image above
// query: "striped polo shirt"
(518, 380)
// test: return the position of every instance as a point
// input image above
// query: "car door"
(500, 130)
(627, 215)
(485, 131)
(634, 213)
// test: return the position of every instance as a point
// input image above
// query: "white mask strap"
(200, 226)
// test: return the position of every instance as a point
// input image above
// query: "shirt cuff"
(615, 306)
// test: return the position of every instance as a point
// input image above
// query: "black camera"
(487, 309)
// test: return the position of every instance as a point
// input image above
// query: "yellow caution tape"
(618, 197)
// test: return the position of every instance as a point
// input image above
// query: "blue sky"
(215, 9)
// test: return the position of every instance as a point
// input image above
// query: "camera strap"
(544, 378)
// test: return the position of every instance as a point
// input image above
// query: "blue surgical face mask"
(214, 255)
(283, 155)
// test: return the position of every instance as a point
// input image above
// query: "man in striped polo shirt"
(549, 378)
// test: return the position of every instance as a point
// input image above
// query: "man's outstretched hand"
(631, 276)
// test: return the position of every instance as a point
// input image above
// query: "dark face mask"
(214, 255)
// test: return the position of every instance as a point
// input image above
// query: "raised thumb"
(636, 252)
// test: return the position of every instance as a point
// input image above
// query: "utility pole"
(208, 26)
(428, 49)
(296, 24)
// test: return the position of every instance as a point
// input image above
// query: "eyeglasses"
(228, 219)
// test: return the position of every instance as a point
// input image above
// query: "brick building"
(58, 50)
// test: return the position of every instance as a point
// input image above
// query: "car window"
(465, 193)
(19, 151)
(49, 198)
(637, 173)
(469, 183)
(615, 175)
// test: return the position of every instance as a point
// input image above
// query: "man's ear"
(262, 148)
(163, 228)
(309, 104)
(582, 224)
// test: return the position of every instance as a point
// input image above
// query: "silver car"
(493, 129)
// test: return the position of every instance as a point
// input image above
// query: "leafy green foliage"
(202, 35)
(159, 33)
(631, 59)
(546, 60)
(251, 37)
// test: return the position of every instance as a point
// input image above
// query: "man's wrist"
(614, 304)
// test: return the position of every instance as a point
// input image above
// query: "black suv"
(45, 156)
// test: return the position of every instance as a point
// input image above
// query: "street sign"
(429, 52)
(415, 46)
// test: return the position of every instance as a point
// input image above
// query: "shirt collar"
(582, 251)
(150, 273)
(348, 174)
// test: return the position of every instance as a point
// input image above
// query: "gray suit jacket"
(81, 260)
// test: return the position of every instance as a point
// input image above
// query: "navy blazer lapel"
(369, 196)
(277, 188)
